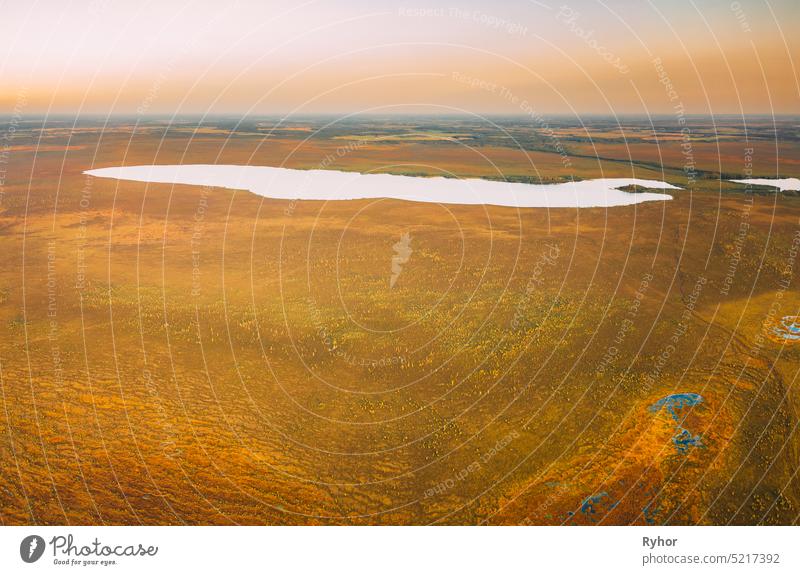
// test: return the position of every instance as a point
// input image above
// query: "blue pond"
(683, 440)
(592, 505)
(788, 328)
(650, 513)
(589, 504)
(673, 404)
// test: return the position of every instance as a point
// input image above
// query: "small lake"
(290, 184)
(782, 183)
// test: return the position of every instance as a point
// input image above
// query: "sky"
(423, 56)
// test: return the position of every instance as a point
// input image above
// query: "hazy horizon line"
(226, 115)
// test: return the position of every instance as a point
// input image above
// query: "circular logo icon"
(31, 548)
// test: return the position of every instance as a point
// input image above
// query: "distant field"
(179, 354)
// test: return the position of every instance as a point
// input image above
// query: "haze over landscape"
(241, 57)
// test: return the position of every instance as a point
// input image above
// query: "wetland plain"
(187, 353)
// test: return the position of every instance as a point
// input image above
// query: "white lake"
(289, 184)
(782, 183)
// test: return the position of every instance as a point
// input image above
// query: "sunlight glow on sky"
(573, 56)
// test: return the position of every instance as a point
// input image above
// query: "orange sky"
(578, 56)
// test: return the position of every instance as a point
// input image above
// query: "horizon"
(348, 116)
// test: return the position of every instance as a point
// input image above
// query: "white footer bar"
(399, 550)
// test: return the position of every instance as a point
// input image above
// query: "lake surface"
(289, 184)
(782, 183)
